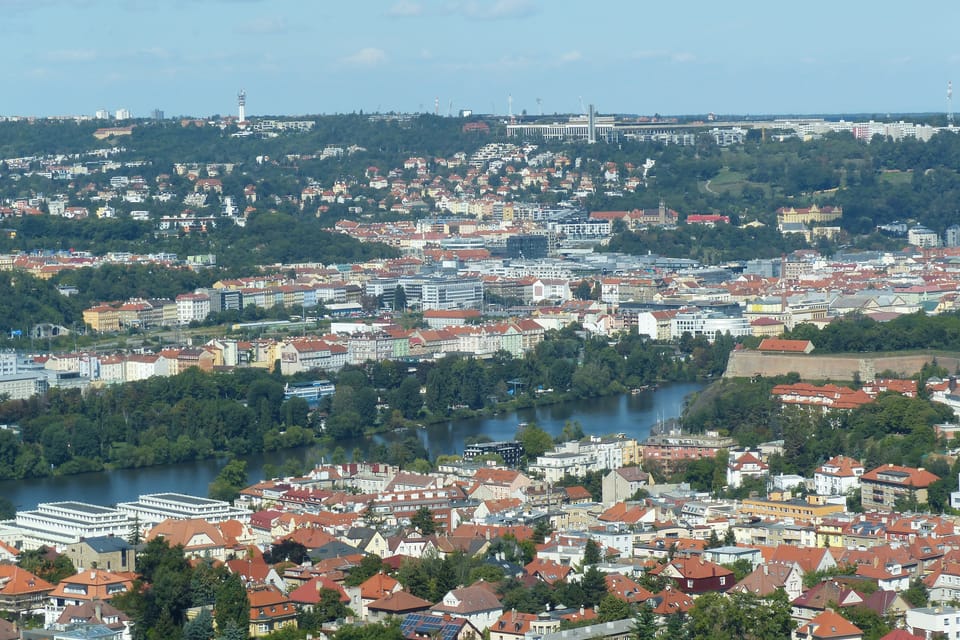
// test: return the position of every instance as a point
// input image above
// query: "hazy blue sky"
(326, 56)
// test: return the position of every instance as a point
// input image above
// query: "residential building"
(270, 611)
(696, 575)
(927, 622)
(882, 487)
(829, 625)
(86, 586)
(622, 484)
(21, 592)
(511, 451)
(423, 626)
(112, 553)
(477, 603)
(745, 465)
(837, 476)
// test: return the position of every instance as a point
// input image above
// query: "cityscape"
(492, 320)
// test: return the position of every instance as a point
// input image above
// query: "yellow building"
(787, 215)
(102, 318)
(797, 509)
(830, 534)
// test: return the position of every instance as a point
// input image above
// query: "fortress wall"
(744, 364)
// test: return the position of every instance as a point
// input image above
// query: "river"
(632, 414)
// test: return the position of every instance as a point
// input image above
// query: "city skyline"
(490, 57)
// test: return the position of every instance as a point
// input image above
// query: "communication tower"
(242, 106)
(950, 103)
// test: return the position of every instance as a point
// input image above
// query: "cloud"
(661, 54)
(499, 10)
(366, 57)
(405, 9)
(71, 55)
(571, 56)
(265, 25)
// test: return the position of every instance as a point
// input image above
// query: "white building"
(192, 307)
(745, 465)
(153, 508)
(837, 476)
(922, 237)
(577, 457)
(707, 323)
(929, 621)
(58, 524)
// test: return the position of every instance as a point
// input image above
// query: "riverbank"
(632, 414)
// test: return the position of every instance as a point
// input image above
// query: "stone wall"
(745, 364)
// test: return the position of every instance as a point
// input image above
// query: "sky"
(293, 57)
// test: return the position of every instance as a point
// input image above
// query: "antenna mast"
(949, 103)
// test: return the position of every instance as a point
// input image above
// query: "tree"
(399, 298)
(232, 631)
(645, 627)
(370, 565)
(232, 605)
(228, 483)
(613, 608)
(535, 441)
(47, 564)
(380, 631)
(286, 551)
(917, 595)
(591, 553)
(541, 530)
(423, 521)
(200, 628)
(7, 510)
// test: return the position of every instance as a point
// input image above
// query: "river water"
(630, 414)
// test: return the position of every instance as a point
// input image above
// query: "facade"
(621, 484)
(880, 488)
(708, 324)
(745, 465)
(84, 587)
(59, 524)
(270, 611)
(672, 450)
(926, 622)
(510, 451)
(112, 553)
(837, 476)
(153, 508)
(21, 592)
(192, 307)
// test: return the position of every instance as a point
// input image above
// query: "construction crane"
(583, 109)
(540, 106)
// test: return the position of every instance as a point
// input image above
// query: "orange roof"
(16, 581)
(377, 586)
(829, 625)
(790, 346)
(908, 476)
(92, 585)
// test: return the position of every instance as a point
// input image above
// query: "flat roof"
(81, 507)
(182, 497)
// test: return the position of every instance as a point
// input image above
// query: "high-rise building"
(242, 106)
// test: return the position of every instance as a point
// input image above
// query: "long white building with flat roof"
(153, 508)
(59, 524)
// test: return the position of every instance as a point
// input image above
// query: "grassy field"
(730, 181)
(896, 177)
